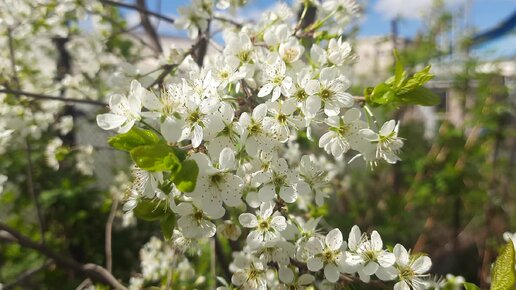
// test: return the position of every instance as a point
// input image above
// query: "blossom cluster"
(239, 117)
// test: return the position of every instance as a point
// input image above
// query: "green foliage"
(167, 225)
(134, 138)
(186, 179)
(403, 90)
(502, 275)
(155, 158)
(470, 286)
(151, 210)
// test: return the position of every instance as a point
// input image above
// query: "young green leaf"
(150, 210)
(132, 139)
(502, 276)
(167, 225)
(157, 157)
(471, 286)
(186, 179)
(417, 80)
(419, 96)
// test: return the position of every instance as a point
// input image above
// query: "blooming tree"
(216, 138)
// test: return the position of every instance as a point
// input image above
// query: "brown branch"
(109, 230)
(54, 98)
(92, 271)
(147, 25)
(140, 9)
(168, 68)
(227, 20)
(12, 57)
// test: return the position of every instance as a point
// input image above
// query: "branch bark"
(92, 271)
(147, 25)
(54, 98)
(140, 9)
(109, 230)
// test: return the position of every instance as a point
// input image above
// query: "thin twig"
(92, 271)
(149, 28)
(109, 230)
(227, 20)
(47, 97)
(140, 9)
(12, 57)
(168, 68)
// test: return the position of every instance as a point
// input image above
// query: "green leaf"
(470, 286)
(399, 72)
(157, 157)
(419, 96)
(150, 210)
(417, 80)
(167, 225)
(502, 276)
(382, 94)
(186, 179)
(132, 139)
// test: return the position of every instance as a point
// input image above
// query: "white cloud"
(409, 9)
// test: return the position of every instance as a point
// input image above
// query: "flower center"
(300, 95)
(325, 94)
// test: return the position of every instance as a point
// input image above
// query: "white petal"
(305, 279)
(279, 223)
(259, 112)
(266, 193)
(386, 274)
(184, 208)
(110, 121)
(354, 238)
(370, 268)
(248, 220)
(227, 159)
(422, 265)
(402, 256)
(314, 246)
(171, 129)
(312, 87)
(331, 272)
(313, 105)
(266, 209)
(288, 194)
(376, 241)
(265, 90)
(197, 136)
(239, 278)
(386, 259)
(351, 115)
(401, 286)
(286, 275)
(314, 264)
(334, 239)
(387, 128)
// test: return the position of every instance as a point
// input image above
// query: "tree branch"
(109, 230)
(168, 68)
(147, 25)
(54, 98)
(140, 9)
(92, 271)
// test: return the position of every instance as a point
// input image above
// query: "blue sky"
(484, 13)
